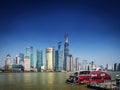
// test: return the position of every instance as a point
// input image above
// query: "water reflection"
(9, 77)
(27, 79)
(50, 78)
(36, 81)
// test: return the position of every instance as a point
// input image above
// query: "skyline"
(93, 28)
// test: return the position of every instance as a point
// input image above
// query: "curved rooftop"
(8, 55)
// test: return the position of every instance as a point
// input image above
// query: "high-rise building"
(53, 57)
(27, 63)
(29, 52)
(80, 65)
(17, 59)
(115, 66)
(119, 67)
(77, 64)
(69, 63)
(59, 58)
(66, 52)
(88, 67)
(21, 55)
(14, 61)
(49, 59)
(67, 68)
(8, 64)
(92, 65)
(39, 62)
(109, 67)
(84, 65)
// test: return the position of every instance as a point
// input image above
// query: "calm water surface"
(37, 81)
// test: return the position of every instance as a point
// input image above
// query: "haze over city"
(93, 28)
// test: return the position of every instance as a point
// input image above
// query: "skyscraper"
(115, 66)
(67, 63)
(8, 64)
(29, 52)
(59, 58)
(109, 67)
(66, 51)
(21, 55)
(17, 59)
(92, 65)
(84, 65)
(27, 63)
(77, 64)
(39, 62)
(49, 59)
(53, 57)
(71, 62)
(118, 67)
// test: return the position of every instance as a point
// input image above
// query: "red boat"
(89, 76)
(94, 76)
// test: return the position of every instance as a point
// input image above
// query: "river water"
(37, 81)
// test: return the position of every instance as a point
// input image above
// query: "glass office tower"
(39, 62)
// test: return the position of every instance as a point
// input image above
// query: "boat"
(84, 77)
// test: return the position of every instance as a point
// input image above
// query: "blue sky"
(93, 27)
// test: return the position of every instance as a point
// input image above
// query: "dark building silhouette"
(115, 66)
(119, 67)
(88, 67)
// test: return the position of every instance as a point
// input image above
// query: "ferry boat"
(89, 76)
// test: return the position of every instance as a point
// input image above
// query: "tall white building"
(27, 63)
(71, 63)
(84, 65)
(76, 64)
(8, 64)
(49, 59)
(67, 63)
(109, 67)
